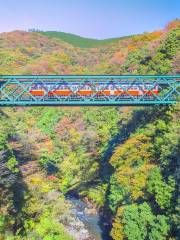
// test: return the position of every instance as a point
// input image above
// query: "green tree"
(140, 223)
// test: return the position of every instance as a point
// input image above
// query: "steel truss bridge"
(16, 90)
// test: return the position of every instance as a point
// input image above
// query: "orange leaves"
(48, 144)
(119, 57)
(155, 35)
(35, 53)
(150, 40)
(174, 24)
(131, 48)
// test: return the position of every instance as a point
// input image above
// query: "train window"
(39, 87)
(149, 86)
(99, 88)
(50, 87)
(35, 87)
(141, 87)
(73, 88)
(87, 87)
(135, 87)
(124, 87)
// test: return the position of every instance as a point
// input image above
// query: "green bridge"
(90, 90)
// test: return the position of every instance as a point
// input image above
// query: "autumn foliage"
(124, 161)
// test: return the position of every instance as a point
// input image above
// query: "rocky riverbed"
(84, 221)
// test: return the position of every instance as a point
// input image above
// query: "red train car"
(99, 90)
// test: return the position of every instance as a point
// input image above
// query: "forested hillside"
(78, 41)
(122, 160)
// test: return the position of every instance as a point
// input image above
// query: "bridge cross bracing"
(89, 90)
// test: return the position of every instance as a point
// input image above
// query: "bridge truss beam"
(16, 90)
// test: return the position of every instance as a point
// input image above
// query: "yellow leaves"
(117, 229)
(134, 150)
(36, 180)
(147, 37)
(80, 70)
(67, 164)
(34, 205)
(102, 68)
(132, 163)
(138, 184)
(134, 178)
(40, 184)
(75, 136)
(12, 59)
(61, 57)
(123, 175)
(31, 122)
(45, 188)
(30, 49)
(70, 168)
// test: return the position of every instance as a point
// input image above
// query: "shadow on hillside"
(19, 189)
(140, 117)
(24, 154)
(22, 149)
(12, 188)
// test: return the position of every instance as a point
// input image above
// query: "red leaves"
(52, 177)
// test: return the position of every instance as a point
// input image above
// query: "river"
(84, 225)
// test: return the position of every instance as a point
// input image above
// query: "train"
(101, 89)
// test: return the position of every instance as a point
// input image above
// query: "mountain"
(78, 41)
(123, 161)
(34, 53)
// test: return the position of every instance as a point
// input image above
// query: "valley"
(90, 173)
